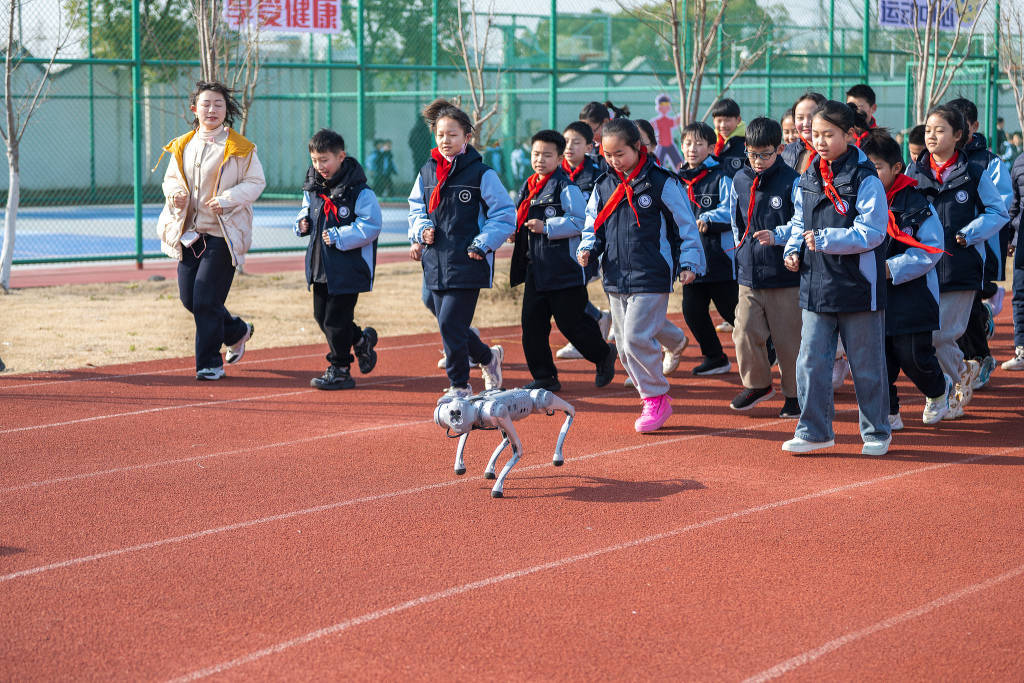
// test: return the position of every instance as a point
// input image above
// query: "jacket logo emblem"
(908, 231)
(465, 196)
(843, 207)
(549, 212)
(705, 201)
(776, 202)
(735, 162)
(343, 212)
(644, 201)
(961, 197)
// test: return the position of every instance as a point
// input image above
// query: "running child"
(730, 129)
(549, 219)
(641, 228)
(341, 215)
(915, 143)
(798, 153)
(862, 96)
(913, 249)
(461, 213)
(595, 115)
(837, 242)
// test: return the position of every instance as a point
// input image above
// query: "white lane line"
(343, 503)
(208, 456)
(841, 641)
(187, 370)
(556, 564)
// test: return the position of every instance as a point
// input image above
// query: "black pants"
(974, 342)
(205, 274)
(334, 314)
(454, 309)
(569, 308)
(915, 356)
(697, 297)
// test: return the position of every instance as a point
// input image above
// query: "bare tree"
(228, 55)
(18, 111)
(472, 43)
(667, 21)
(1011, 53)
(935, 61)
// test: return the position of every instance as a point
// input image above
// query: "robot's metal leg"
(489, 472)
(556, 403)
(517, 452)
(460, 466)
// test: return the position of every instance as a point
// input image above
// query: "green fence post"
(360, 85)
(553, 65)
(435, 11)
(831, 45)
(92, 114)
(721, 60)
(137, 136)
(866, 43)
(994, 78)
(330, 80)
(768, 81)
(908, 105)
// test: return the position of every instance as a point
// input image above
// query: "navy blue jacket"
(760, 266)
(734, 155)
(913, 294)
(846, 271)
(1016, 209)
(551, 257)
(474, 211)
(711, 204)
(346, 266)
(791, 153)
(587, 176)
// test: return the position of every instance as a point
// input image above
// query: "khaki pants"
(763, 313)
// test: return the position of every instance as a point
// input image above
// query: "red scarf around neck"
(902, 182)
(535, 184)
(329, 208)
(719, 144)
(690, 183)
(623, 190)
(444, 167)
(858, 140)
(939, 170)
(750, 210)
(830, 189)
(572, 172)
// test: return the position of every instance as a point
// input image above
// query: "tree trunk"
(10, 217)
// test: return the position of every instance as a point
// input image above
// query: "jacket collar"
(925, 177)
(688, 172)
(349, 174)
(235, 146)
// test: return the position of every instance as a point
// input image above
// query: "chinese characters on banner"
(298, 16)
(947, 14)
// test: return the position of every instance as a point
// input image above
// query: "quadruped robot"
(499, 409)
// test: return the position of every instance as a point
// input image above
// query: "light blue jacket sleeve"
(418, 219)
(869, 226)
(303, 213)
(995, 217)
(691, 253)
(916, 262)
(792, 233)
(571, 223)
(364, 229)
(588, 238)
(731, 201)
(500, 221)
(1001, 179)
(720, 214)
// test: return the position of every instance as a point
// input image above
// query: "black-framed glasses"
(763, 156)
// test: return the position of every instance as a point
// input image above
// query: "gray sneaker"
(237, 350)
(492, 371)
(209, 374)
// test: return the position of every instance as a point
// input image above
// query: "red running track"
(158, 528)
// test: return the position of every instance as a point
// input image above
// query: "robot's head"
(456, 415)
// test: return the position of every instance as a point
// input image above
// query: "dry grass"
(71, 326)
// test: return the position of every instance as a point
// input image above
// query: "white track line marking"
(339, 504)
(835, 644)
(556, 564)
(187, 370)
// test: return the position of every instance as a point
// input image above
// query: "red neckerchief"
(329, 208)
(624, 189)
(810, 150)
(939, 170)
(859, 139)
(444, 167)
(903, 182)
(690, 183)
(719, 144)
(830, 189)
(872, 124)
(750, 210)
(572, 172)
(535, 184)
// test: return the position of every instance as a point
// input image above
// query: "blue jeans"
(864, 338)
(454, 309)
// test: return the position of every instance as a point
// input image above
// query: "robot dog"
(498, 409)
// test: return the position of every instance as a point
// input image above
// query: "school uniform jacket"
(346, 266)
(846, 273)
(644, 258)
(978, 152)
(551, 257)
(712, 205)
(474, 211)
(734, 155)
(791, 154)
(760, 266)
(1017, 179)
(587, 176)
(967, 203)
(913, 292)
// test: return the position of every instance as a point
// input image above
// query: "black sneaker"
(333, 378)
(713, 366)
(548, 383)
(363, 349)
(790, 408)
(748, 398)
(606, 369)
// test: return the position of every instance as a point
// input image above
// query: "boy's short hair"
(880, 144)
(967, 109)
(725, 107)
(916, 135)
(583, 129)
(552, 136)
(326, 140)
(700, 130)
(862, 91)
(764, 132)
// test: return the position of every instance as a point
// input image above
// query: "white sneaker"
(568, 352)
(876, 447)
(956, 406)
(723, 326)
(840, 371)
(443, 363)
(457, 392)
(967, 378)
(670, 361)
(237, 350)
(798, 445)
(605, 324)
(1017, 362)
(936, 409)
(210, 374)
(492, 371)
(895, 422)
(628, 382)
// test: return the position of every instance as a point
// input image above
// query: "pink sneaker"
(656, 410)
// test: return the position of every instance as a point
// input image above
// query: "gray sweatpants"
(637, 319)
(954, 314)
